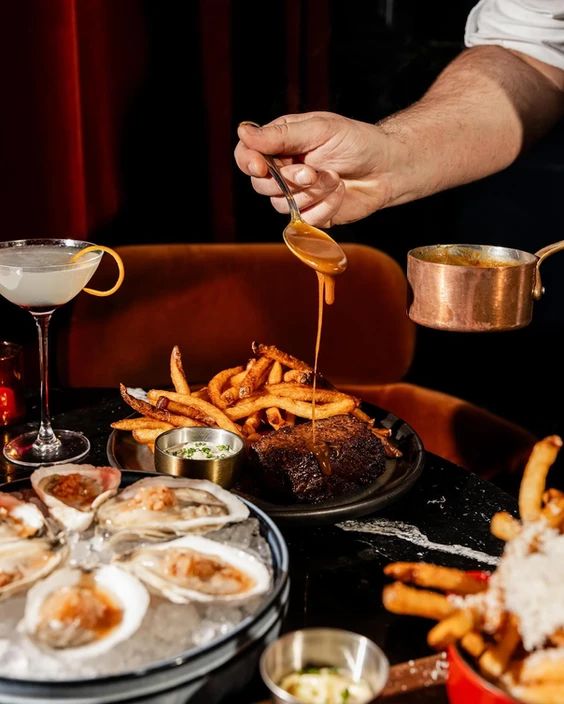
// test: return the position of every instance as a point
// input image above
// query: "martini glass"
(40, 275)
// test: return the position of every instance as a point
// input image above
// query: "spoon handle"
(281, 181)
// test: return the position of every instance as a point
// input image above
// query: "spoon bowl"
(312, 246)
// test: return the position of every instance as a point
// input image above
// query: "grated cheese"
(528, 583)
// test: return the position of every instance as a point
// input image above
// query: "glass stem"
(46, 439)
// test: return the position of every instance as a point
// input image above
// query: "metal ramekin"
(322, 647)
(221, 471)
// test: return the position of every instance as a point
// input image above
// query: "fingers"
(285, 135)
(298, 176)
(323, 214)
(250, 161)
(326, 183)
(289, 135)
(317, 203)
(318, 194)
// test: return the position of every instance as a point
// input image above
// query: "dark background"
(162, 87)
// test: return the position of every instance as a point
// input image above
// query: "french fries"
(496, 621)
(451, 629)
(272, 352)
(302, 409)
(301, 392)
(272, 390)
(135, 423)
(146, 436)
(473, 643)
(400, 599)
(255, 377)
(504, 526)
(534, 477)
(156, 413)
(430, 576)
(177, 375)
(494, 660)
(216, 385)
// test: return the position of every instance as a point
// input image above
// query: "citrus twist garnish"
(118, 261)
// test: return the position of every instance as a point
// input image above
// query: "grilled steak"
(287, 469)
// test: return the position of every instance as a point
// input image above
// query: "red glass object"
(12, 406)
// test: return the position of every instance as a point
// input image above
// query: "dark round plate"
(399, 476)
(187, 673)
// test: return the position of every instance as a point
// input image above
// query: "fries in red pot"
(504, 635)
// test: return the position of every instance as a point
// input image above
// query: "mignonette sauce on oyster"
(82, 614)
(161, 506)
(193, 568)
(18, 519)
(73, 492)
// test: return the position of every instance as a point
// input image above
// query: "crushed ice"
(168, 630)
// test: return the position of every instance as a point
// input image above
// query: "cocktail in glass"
(40, 275)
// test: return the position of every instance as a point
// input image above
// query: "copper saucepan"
(474, 288)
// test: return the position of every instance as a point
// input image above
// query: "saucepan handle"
(542, 254)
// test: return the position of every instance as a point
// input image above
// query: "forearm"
(477, 117)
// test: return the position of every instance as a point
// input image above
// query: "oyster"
(161, 506)
(83, 614)
(18, 519)
(24, 562)
(193, 568)
(72, 492)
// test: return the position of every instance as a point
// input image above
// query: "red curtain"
(71, 75)
(69, 69)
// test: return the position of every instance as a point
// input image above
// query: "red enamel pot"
(464, 684)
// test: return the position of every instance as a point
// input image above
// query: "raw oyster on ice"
(18, 519)
(72, 492)
(193, 568)
(23, 562)
(161, 506)
(82, 614)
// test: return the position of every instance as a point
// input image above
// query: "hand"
(338, 169)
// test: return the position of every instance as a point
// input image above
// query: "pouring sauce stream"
(319, 448)
(319, 251)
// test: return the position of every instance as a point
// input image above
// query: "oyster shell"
(161, 506)
(18, 519)
(82, 614)
(193, 568)
(72, 492)
(25, 561)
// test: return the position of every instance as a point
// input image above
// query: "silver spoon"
(311, 245)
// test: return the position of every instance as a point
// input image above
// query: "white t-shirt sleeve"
(533, 27)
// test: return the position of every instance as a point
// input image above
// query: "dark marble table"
(336, 570)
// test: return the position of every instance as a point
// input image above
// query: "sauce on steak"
(287, 470)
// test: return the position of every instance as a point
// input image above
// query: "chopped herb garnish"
(201, 450)
(332, 685)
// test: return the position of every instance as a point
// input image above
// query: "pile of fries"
(273, 390)
(516, 643)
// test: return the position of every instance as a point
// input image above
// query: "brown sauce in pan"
(462, 257)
